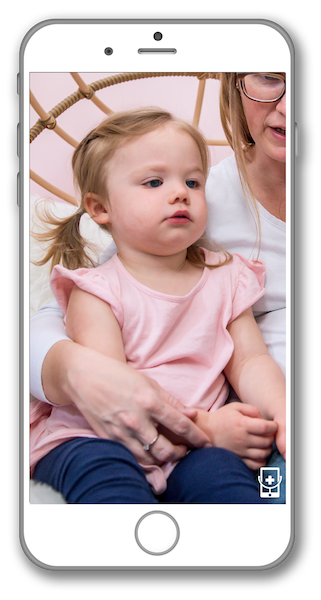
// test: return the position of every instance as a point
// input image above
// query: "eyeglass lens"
(263, 86)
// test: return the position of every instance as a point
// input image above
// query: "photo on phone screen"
(160, 303)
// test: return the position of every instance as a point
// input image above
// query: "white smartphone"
(74, 73)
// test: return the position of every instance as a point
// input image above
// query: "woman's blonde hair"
(90, 162)
(238, 136)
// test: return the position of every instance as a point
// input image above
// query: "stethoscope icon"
(269, 480)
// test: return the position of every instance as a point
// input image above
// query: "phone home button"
(157, 533)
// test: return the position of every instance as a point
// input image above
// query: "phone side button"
(157, 533)
(18, 140)
(296, 140)
(18, 189)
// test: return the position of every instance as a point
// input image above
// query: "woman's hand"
(119, 403)
(240, 428)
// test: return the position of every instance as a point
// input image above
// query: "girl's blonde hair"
(90, 162)
(238, 136)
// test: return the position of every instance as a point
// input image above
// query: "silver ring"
(147, 446)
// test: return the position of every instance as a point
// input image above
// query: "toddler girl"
(169, 307)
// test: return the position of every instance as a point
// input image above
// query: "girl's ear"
(94, 206)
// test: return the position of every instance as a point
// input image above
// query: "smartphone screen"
(63, 98)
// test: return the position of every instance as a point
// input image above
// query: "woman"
(121, 404)
(247, 190)
(246, 196)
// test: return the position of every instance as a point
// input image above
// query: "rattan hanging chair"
(49, 120)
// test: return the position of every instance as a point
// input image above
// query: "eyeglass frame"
(240, 86)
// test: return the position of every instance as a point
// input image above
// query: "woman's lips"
(278, 132)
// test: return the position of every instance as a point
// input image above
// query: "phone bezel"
(40, 536)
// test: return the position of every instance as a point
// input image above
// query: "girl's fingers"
(260, 441)
(261, 427)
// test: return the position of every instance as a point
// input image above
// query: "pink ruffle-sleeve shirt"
(182, 342)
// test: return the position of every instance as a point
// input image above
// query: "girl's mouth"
(180, 217)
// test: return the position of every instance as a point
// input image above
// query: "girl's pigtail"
(66, 245)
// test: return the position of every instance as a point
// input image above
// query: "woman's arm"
(117, 401)
(255, 376)
(46, 329)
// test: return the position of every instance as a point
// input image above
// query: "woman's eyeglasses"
(261, 87)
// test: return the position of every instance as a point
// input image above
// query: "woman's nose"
(281, 105)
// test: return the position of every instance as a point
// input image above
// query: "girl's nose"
(180, 193)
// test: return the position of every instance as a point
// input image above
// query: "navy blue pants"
(99, 471)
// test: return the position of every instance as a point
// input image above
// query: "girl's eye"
(191, 184)
(154, 183)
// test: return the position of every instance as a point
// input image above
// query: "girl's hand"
(240, 428)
